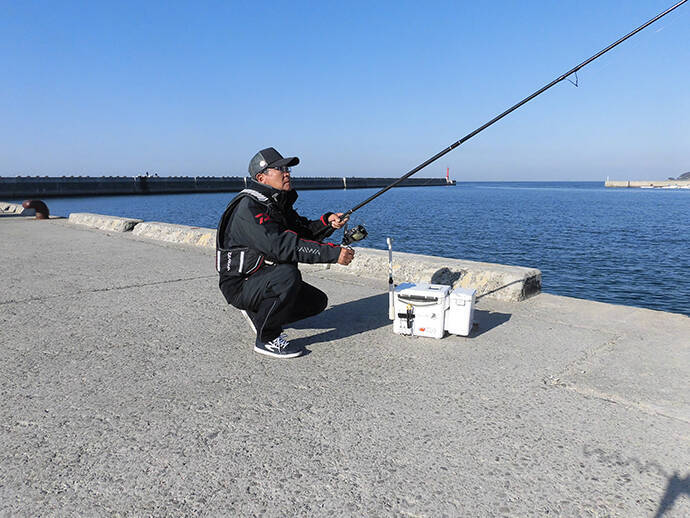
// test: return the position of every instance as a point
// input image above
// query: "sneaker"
(278, 348)
(249, 320)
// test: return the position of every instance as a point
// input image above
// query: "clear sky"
(352, 88)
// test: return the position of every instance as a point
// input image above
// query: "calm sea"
(626, 246)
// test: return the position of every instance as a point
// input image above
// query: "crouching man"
(259, 242)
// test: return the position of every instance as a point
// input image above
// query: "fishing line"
(577, 81)
(507, 112)
(636, 44)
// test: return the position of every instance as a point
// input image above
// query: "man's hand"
(335, 221)
(346, 256)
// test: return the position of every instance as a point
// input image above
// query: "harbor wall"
(648, 183)
(45, 186)
(494, 281)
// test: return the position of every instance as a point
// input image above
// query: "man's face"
(276, 178)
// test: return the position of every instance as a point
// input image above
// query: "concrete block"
(15, 209)
(495, 281)
(197, 236)
(102, 222)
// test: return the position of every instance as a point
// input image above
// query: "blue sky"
(352, 88)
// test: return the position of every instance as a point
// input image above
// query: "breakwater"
(45, 186)
(496, 281)
(646, 184)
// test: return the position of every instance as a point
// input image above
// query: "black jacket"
(267, 226)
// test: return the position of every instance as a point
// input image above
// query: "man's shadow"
(358, 316)
(675, 488)
(345, 320)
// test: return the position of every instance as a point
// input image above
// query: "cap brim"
(289, 162)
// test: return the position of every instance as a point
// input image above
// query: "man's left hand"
(335, 221)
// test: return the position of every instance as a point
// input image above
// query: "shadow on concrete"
(675, 488)
(359, 316)
(530, 286)
(487, 320)
(447, 276)
(348, 319)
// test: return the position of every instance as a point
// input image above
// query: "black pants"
(274, 296)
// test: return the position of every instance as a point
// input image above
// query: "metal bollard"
(42, 211)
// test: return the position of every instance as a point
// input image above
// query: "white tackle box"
(432, 309)
(420, 309)
(460, 313)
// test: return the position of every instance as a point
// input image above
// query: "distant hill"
(684, 176)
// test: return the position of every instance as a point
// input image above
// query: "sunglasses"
(283, 169)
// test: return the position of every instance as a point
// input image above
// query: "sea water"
(625, 246)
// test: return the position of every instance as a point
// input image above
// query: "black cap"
(269, 157)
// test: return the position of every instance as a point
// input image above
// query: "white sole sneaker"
(249, 320)
(279, 347)
(294, 354)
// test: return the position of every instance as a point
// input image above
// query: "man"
(260, 240)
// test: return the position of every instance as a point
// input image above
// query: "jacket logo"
(263, 218)
(307, 250)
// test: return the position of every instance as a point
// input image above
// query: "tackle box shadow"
(370, 313)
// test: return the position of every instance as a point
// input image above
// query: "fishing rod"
(359, 230)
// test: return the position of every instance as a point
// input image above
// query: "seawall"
(496, 281)
(45, 186)
(683, 184)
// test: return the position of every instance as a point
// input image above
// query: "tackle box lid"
(423, 290)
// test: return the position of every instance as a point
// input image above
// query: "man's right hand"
(346, 256)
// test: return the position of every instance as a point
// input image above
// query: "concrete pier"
(129, 388)
(45, 186)
(658, 184)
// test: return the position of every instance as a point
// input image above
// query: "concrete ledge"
(198, 236)
(15, 209)
(101, 222)
(496, 281)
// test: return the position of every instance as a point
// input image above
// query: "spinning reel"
(354, 234)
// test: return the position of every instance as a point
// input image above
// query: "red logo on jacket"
(262, 217)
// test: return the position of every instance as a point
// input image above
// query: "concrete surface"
(498, 281)
(102, 222)
(129, 388)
